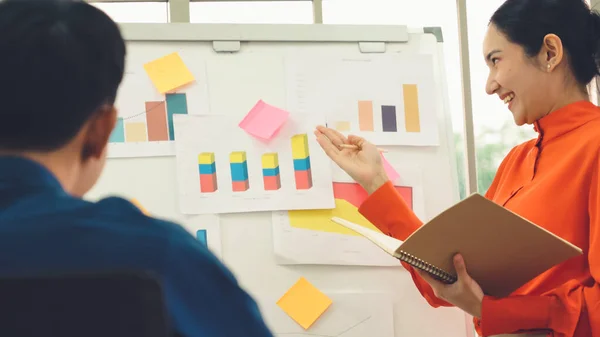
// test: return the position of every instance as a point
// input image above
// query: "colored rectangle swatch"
(201, 236)
(156, 118)
(208, 172)
(135, 132)
(271, 175)
(365, 115)
(342, 126)
(411, 108)
(118, 133)
(176, 104)
(239, 171)
(388, 118)
(301, 157)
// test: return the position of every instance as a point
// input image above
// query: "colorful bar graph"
(176, 104)
(239, 171)
(201, 236)
(156, 118)
(208, 172)
(118, 133)
(271, 175)
(135, 132)
(342, 126)
(411, 108)
(365, 115)
(388, 118)
(301, 156)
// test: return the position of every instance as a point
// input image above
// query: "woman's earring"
(548, 67)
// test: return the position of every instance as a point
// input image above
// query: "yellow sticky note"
(168, 73)
(304, 303)
(138, 205)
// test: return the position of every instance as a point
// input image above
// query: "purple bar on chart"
(388, 118)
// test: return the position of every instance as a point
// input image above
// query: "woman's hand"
(363, 163)
(465, 293)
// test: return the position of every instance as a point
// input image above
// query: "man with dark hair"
(61, 63)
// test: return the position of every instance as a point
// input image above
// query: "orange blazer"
(554, 181)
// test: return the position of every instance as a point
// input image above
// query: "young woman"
(541, 54)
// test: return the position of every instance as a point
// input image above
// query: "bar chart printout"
(271, 174)
(208, 172)
(223, 169)
(158, 123)
(239, 171)
(302, 171)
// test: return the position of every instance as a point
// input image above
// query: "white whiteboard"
(235, 80)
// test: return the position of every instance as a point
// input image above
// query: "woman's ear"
(551, 53)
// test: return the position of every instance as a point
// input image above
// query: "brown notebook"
(502, 250)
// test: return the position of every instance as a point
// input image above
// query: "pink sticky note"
(264, 120)
(391, 173)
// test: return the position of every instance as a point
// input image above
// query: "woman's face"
(521, 82)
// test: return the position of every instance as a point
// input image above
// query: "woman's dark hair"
(527, 22)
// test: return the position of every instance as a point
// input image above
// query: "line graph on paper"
(343, 333)
(350, 315)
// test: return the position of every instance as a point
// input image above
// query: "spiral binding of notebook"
(436, 272)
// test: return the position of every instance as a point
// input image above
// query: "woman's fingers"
(330, 149)
(356, 140)
(336, 138)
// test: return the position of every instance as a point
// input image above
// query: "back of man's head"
(60, 62)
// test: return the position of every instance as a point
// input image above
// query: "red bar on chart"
(156, 118)
(303, 179)
(240, 186)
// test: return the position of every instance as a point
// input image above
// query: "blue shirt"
(43, 229)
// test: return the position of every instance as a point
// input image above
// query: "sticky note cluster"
(264, 120)
(304, 303)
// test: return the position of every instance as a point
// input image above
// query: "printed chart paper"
(350, 315)
(206, 229)
(389, 100)
(223, 169)
(310, 237)
(145, 124)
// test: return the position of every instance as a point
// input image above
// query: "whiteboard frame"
(372, 35)
(262, 32)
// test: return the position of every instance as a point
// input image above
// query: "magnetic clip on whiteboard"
(372, 47)
(226, 46)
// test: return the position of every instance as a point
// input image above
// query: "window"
(282, 12)
(412, 13)
(139, 12)
(495, 131)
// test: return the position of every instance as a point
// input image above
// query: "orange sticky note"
(168, 73)
(391, 172)
(304, 303)
(264, 120)
(138, 205)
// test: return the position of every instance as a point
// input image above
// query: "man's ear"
(98, 132)
(551, 53)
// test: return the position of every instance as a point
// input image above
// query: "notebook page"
(387, 243)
